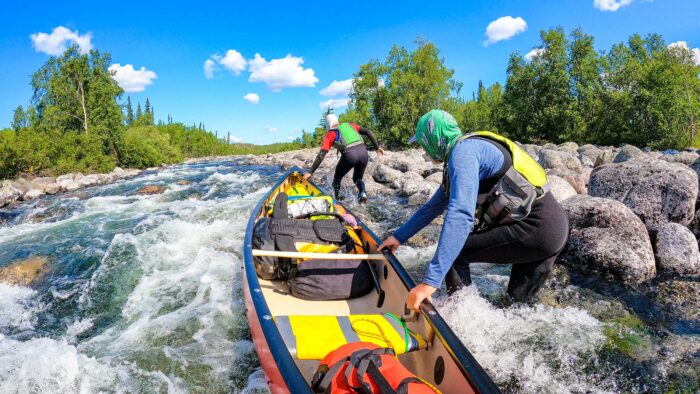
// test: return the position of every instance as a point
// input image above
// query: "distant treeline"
(643, 92)
(75, 123)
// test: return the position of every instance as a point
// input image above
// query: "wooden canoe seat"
(313, 337)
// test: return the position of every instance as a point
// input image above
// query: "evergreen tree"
(148, 106)
(139, 113)
(129, 111)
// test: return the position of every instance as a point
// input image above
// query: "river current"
(143, 294)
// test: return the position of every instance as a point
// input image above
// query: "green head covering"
(437, 132)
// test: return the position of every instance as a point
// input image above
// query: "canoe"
(446, 363)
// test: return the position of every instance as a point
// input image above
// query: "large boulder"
(9, 193)
(560, 188)
(628, 152)
(385, 174)
(677, 250)
(435, 178)
(69, 182)
(607, 238)
(588, 154)
(659, 192)
(409, 183)
(89, 180)
(422, 196)
(549, 158)
(150, 190)
(25, 272)
(568, 147)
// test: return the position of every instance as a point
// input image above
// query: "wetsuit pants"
(531, 245)
(354, 158)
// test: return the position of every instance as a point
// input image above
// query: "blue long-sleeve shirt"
(471, 161)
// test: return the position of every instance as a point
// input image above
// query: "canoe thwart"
(318, 256)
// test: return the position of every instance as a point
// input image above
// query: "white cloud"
(235, 140)
(132, 80)
(232, 61)
(504, 28)
(209, 68)
(336, 88)
(55, 43)
(535, 52)
(252, 98)
(334, 103)
(684, 45)
(610, 5)
(278, 74)
(271, 129)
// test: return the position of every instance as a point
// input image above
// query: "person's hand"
(390, 243)
(380, 151)
(307, 175)
(417, 295)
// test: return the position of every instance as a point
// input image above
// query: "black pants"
(531, 245)
(355, 157)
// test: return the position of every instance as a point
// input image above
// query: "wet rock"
(428, 236)
(607, 238)
(681, 297)
(555, 159)
(8, 193)
(628, 152)
(151, 189)
(560, 188)
(659, 192)
(25, 272)
(558, 278)
(385, 174)
(677, 250)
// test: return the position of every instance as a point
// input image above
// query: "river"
(143, 294)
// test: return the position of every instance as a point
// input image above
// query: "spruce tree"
(139, 114)
(129, 111)
(148, 106)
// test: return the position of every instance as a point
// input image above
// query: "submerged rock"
(151, 189)
(25, 272)
(607, 238)
(677, 250)
(182, 182)
(659, 192)
(681, 297)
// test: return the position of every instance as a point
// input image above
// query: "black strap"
(403, 385)
(321, 382)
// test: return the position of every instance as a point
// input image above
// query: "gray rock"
(659, 192)
(435, 178)
(89, 180)
(561, 160)
(385, 174)
(32, 194)
(687, 158)
(8, 193)
(560, 188)
(568, 147)
(52, 188)
(409, 183)
(422, 196)
(677, 250)
(578, 181)
(67, 182)
(41, 183)
(588, 154)
(118, 172)
(628, 152)
(604, 158)
(607, 238)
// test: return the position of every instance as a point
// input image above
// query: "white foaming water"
(17, 307)
(171, 278)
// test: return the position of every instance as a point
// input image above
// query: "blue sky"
(333, 39)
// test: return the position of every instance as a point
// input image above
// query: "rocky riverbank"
(632, 212)
(29, 188)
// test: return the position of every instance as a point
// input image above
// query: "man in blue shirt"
(473, 167)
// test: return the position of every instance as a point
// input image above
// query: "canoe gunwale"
(480, 381)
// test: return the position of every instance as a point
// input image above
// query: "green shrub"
(147, 146)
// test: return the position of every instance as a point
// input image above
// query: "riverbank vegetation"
(76, 122)
(643, 92)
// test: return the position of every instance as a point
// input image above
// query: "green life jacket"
(346, 137)
(512, 196)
